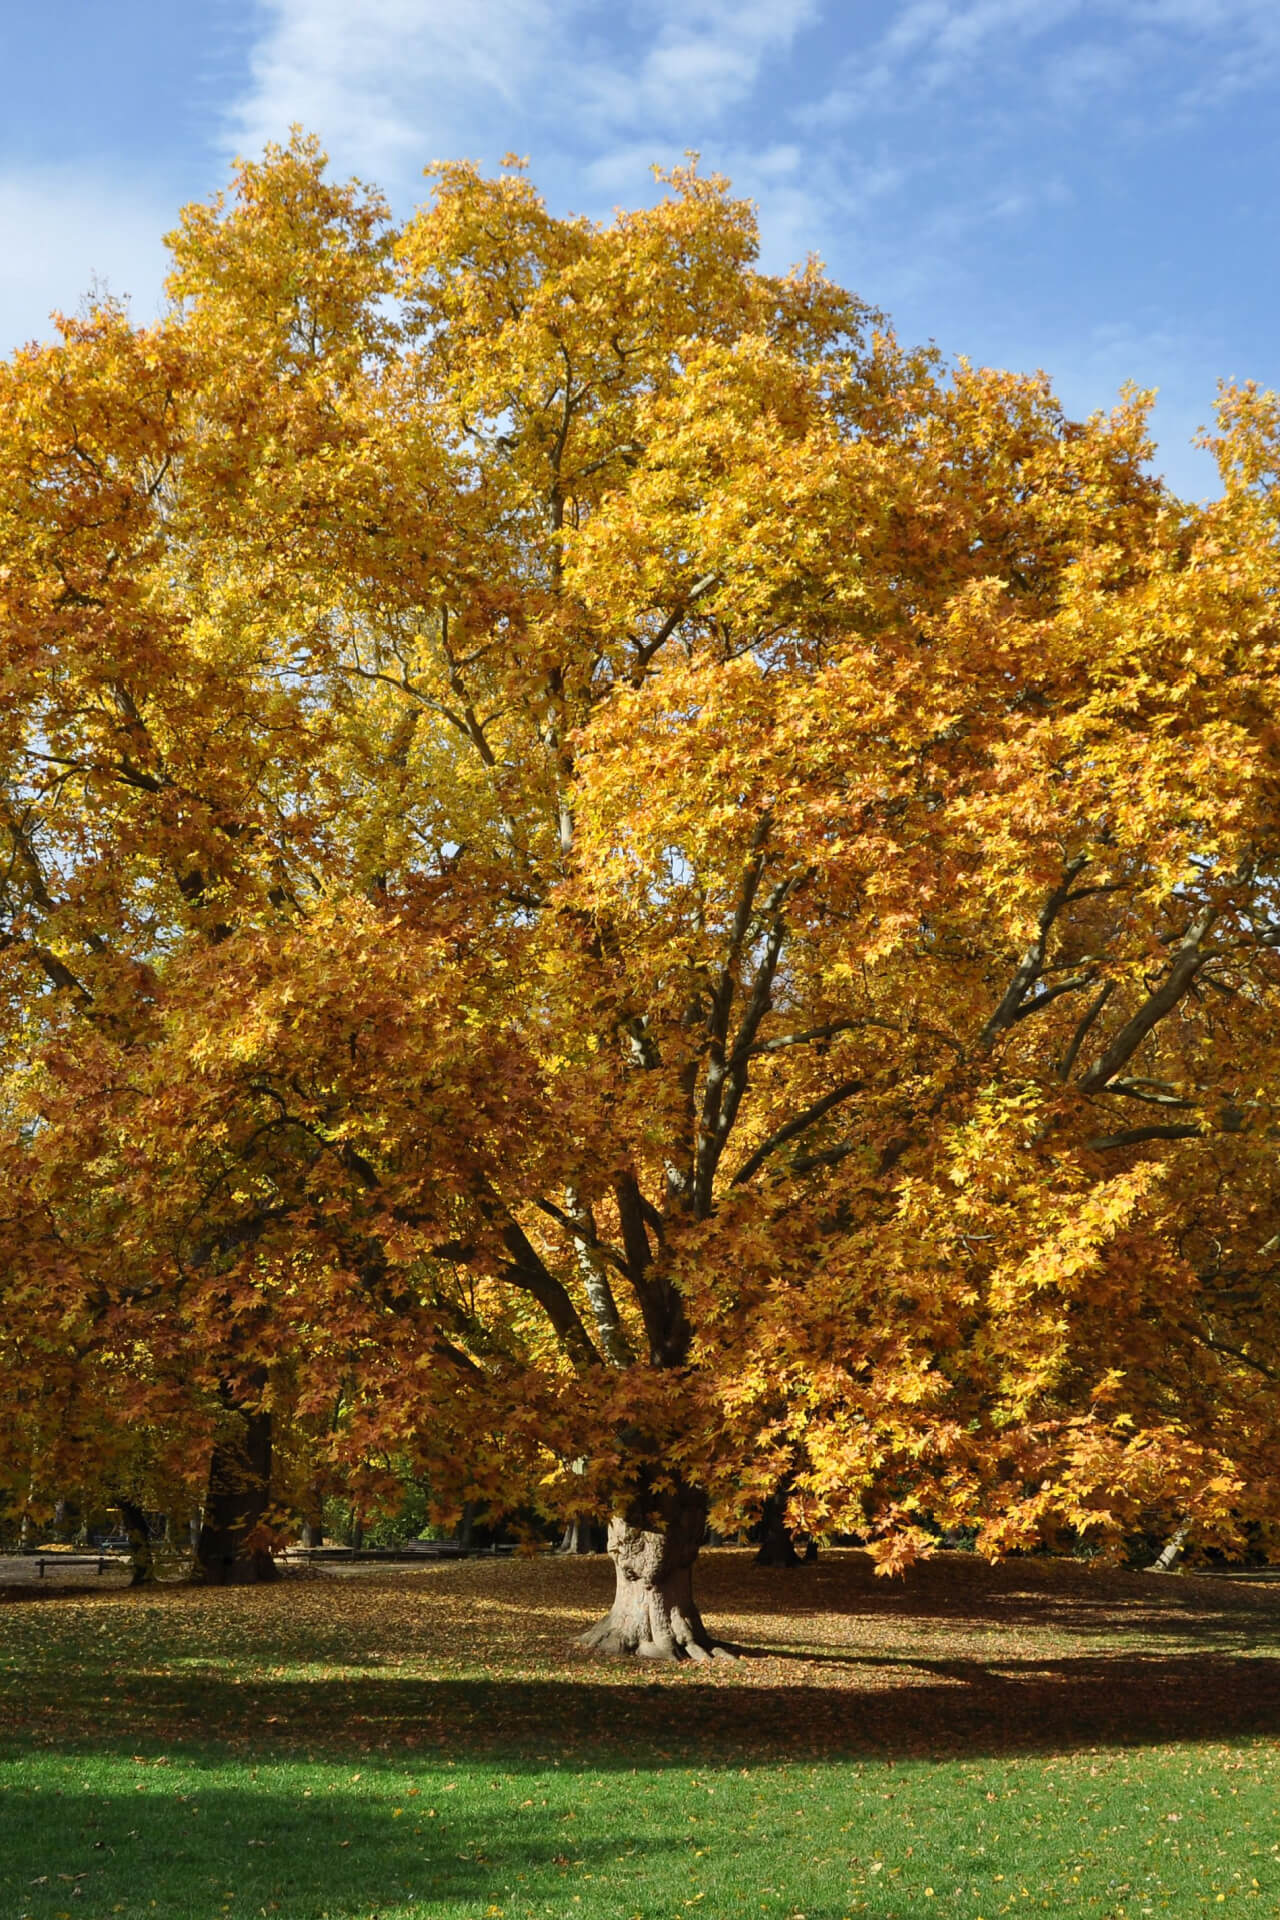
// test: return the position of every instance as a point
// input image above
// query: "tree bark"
(141, 1560)
(653, 1612)
(777, 1548)
(1170, 1554)
(313, 1518)
(231, 1550)
(67, 1523)
(583, 1534)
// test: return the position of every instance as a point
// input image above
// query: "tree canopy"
(618, 887)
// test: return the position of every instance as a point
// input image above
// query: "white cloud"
(61, 231)
(702, 60)
(392, 84)
(937, 47)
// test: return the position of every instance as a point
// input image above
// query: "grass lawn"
(967, 1742)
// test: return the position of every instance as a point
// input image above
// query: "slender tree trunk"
(654, 1613)
(231, 1552)
(141, 1560)
(584, 1534)
(1171, 1552)
(313, 1519)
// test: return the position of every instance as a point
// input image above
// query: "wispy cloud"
(696, 62)
(394, 83)
(66, 230)
(1066, 51)
(987, 169)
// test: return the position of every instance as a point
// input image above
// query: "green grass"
(389, 1749)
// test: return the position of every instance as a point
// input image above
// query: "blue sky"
(1083, 185)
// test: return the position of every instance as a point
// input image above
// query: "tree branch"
(645, 650)
(1031, 965)
(828, 1032)
(1187, 962)
(1042, 999)
(592, 1253)
(727, 1079)
(526, 1271)
(798, 1125)
(1078, 1038)
(1134, 1137)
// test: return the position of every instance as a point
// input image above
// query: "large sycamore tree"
(620, 891)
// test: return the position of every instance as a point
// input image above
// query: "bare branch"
(1078, 1038)
(1031, 965)
(1135, 1136)
(646, 649)
(795, 1126)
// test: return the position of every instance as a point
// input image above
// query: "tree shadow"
(908, 1708)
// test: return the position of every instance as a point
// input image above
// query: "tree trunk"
(653, 1612)
(67, 1523)
(777, 1548)
(776, 1540)
(584, 1534)
(232, 1551)
(313, 1518)
(1170, 1554)
(141, 1561)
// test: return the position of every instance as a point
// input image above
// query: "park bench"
(103, 1558)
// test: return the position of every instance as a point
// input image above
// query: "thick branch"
(592, 1254)
(666, 1324)
(1135, 1136)
(727, 1079)
(1187, 962)
(635, 1239)
(526, 1271)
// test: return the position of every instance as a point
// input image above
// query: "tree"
(604, 872)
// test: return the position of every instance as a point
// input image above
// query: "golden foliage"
(604, 872)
